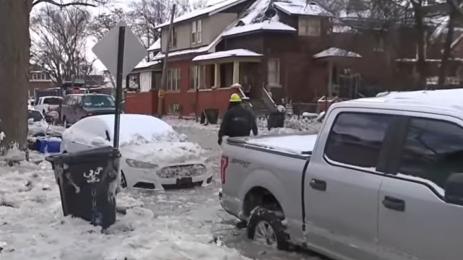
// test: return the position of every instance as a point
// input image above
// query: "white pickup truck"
(382, 180)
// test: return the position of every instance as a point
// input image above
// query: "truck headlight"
(140, 164)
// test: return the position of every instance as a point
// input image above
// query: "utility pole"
(163, 88)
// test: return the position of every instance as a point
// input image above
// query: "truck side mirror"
(454, 189)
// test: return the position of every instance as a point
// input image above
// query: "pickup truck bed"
(291, 145)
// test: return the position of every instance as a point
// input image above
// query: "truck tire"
(266, 226)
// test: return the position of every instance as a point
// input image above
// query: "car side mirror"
(99, 141)
(454, 189)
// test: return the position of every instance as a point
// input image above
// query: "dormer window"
(197, 31)
(309, 26)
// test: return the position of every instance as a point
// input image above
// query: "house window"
(173, 79)
(309, 26)
(173, 38)
(198, 74)
(273, 75)
(196, 32)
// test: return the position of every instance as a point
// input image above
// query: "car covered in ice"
(154, 156)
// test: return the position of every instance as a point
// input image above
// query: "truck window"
(432, 151)
(356, 139)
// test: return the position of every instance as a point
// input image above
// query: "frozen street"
(175, 224)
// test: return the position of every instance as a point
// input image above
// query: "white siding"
(145, 81)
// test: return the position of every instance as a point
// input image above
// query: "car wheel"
(266, 227)
(123, 180)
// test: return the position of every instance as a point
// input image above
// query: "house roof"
(242, 53)
(301, 7)
(336, 52)
(209, 10)
(263, 26)
(156, 45)
(146, 64)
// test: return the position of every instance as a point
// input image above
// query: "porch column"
(330, 79)
(236, 72)
(217, 75)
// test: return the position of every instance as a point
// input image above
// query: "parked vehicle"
(48, 104)
(37, 125)
(154, 156)
(78, 106)
(382, 180)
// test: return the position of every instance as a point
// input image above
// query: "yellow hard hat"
(235, 98)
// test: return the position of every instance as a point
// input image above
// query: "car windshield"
(52, 101)
(97, 101)
(35, 115)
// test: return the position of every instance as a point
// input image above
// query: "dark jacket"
(238, 121)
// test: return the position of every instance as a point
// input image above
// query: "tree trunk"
(421, 42)
(447, 47)
(14, 68)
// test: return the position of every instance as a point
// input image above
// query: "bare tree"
(102, 23)
(61, 42)
(14, 64)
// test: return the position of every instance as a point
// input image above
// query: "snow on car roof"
(447, 99)
(133, 125)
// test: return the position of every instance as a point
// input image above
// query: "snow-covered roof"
(156, 45)
(301, 7)
(145, 64)
(256, 12)
(263, 26)
(336, 52)
(413, 60)
(209, 10)
(227, 54)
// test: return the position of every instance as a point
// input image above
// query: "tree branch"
(62, 4)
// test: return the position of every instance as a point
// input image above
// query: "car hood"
(163, 153)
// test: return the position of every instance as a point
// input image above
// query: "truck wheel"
(267, 228)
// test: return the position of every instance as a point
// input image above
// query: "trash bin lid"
(91, 155)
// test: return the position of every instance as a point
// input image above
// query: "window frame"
(196, 31)
(306, 26)
(277, 72)
(381, 166)
(173, 79)
(400, 150)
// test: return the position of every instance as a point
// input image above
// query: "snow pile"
(32, 226)
(163, 152)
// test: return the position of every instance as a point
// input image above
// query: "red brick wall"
(141, 103)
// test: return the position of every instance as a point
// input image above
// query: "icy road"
(171, 225)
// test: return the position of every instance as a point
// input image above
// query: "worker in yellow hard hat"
(237, 121)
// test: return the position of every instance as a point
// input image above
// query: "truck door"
(416, 220)
(343, 183)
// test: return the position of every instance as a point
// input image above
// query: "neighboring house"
(38, 79)
(282, 52)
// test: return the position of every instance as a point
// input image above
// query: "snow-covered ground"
(176, 224)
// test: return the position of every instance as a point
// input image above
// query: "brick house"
(280, 52)
(38, 79)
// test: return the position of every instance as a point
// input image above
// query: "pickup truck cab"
(383, 180)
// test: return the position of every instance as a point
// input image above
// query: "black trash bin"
(276, 120)
(87, 182)
(212, 115)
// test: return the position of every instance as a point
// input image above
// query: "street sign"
(120, 50)
(106, 50)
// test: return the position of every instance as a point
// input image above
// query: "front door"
(415, 221)
(343, 184)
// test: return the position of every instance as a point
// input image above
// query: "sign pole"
(120, 64)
